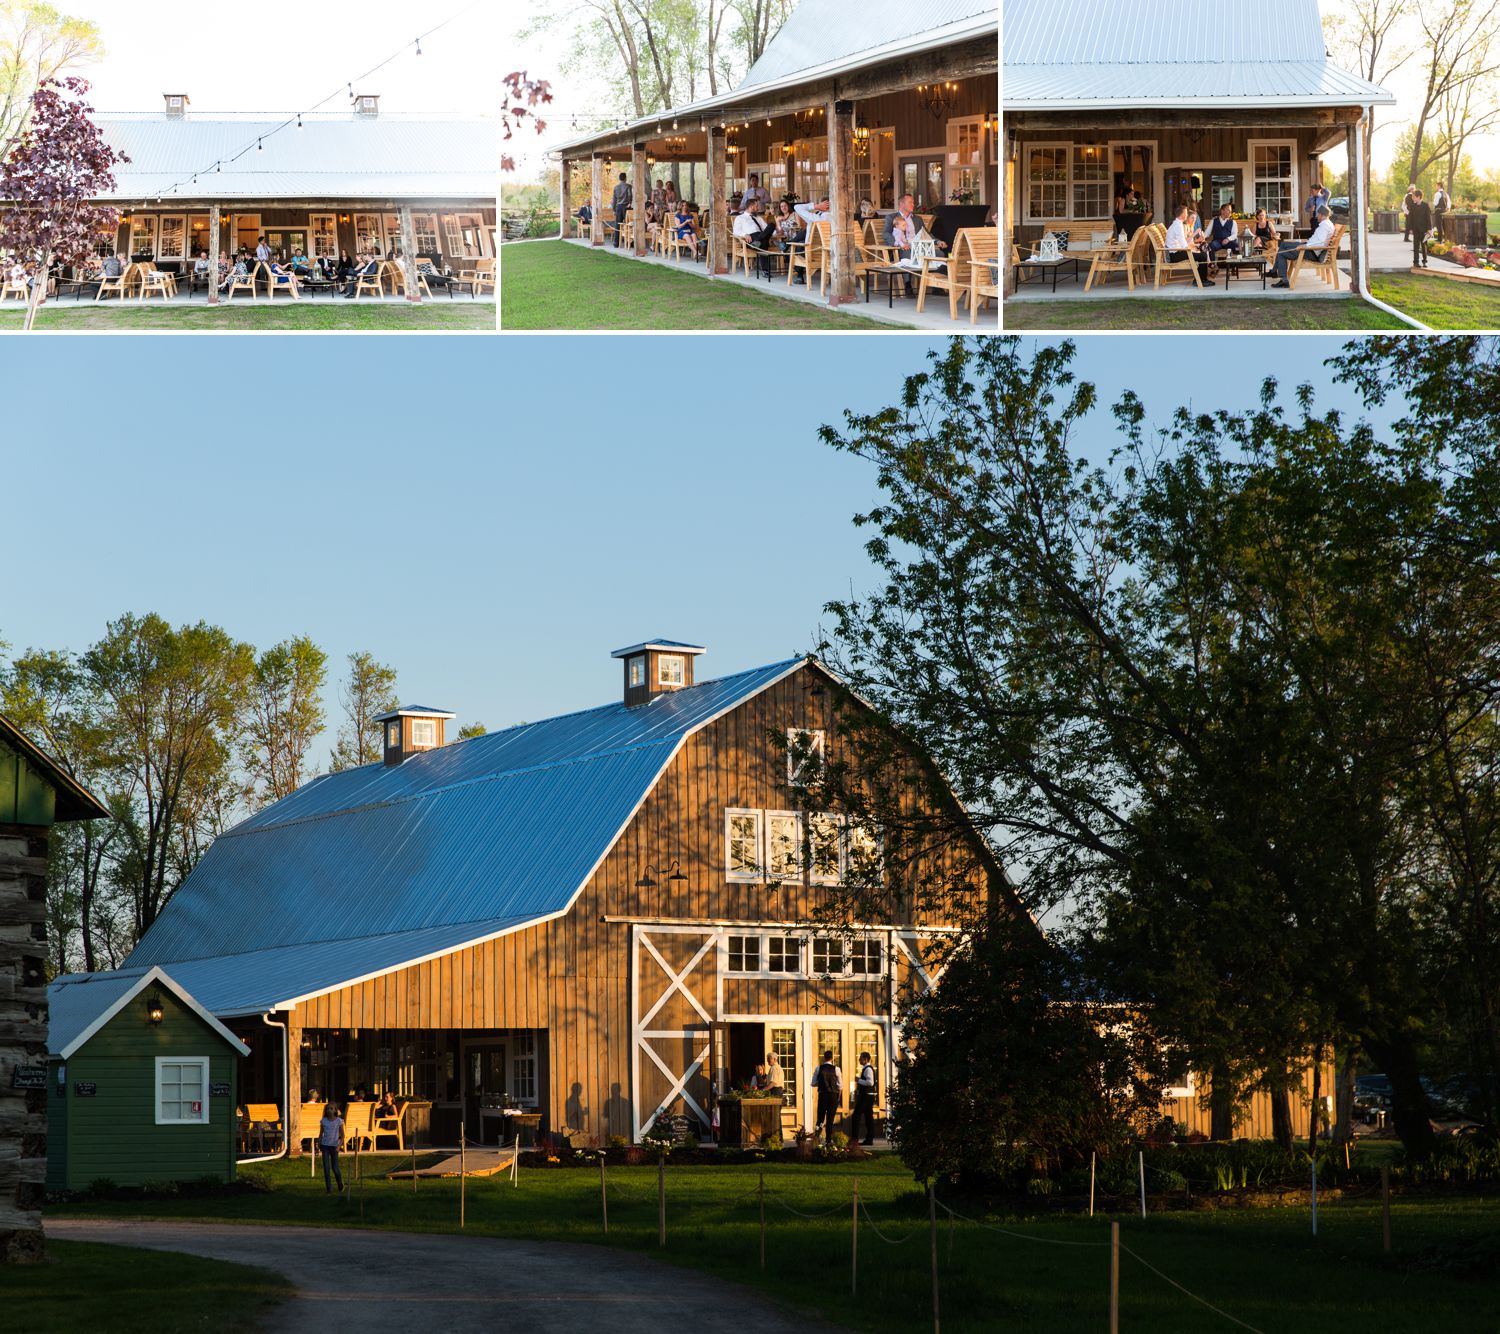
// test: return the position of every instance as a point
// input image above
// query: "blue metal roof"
(362, 871)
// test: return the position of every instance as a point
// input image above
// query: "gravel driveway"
(349, 1278)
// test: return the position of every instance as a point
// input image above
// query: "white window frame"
(181, 252)
(744, 937)
(393, 734)
(137, 220)
(864, 944)
(801, 944)
(636, 671)
(235, 219)
(453, 230)
(834, 824)
(740, 876)
(827, 945)
(847, 862)
(794, 872)
(313, 219)
(521, 1049)
(814, 741)
(202, 1062)
(423, 733)
(1294, 177)
(679, 663)
(429, 232)
(364, 233)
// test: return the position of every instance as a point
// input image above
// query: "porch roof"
(340, 157)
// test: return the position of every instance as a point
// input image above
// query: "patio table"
(1064, 263)
(1237, 265)
(890, 272)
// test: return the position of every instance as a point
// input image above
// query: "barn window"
(742, 845)
(864, 955)
(783, 845)
(637, 669)
(804, 755)
(523, 1068)
(181, 1090)
(827, 955)
(824, 836)
(783, 954)
(669, 669)
(393, 736)
(744, 954)
(423, 732)
(862, 856)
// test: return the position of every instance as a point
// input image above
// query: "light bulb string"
(296, 118)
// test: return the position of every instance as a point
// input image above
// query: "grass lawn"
(1263, 1267)
(554, 285)
(1144, 312)
(239, 316)
(1439, 303)
(84, 1286)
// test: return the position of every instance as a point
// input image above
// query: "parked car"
(1338, 208)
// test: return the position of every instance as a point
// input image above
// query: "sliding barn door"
(674, 1006)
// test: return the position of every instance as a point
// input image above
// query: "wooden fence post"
(1385, 1206)
(1092, 1157)
(932, 1227)
(603, 1198)
(413, 1169)
(1315, 1196)
(661, 1200)
(515, 1162)
(1142, 1157)
(1114, 1278)
(463, 1175)
(762, 1217)
(854, 1243)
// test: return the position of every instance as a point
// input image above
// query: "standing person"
(1411, 194)
(1314, 203)
(1441, 203)
(262, 252)
(864, 1101)
(775, 1075)
(755, 191)
(330, 1140)
(828, 1079)
(1419, 221)
(620, 202)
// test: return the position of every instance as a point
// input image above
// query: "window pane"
(784, 846)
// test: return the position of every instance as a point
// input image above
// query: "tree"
(58, 163)
(370, 688)
(1458, 41)
(1369, 37)
(37, 44)
(470, 730)
(284, 713)
(171, 698)
(523, 96)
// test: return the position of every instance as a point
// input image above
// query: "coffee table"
(1236, 267)
(890, 272)
(1039, 267)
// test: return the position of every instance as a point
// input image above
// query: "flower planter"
(1466, 228)
(747, 1123)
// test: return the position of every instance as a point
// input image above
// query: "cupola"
(656, 667)
(367, 105)
(177, 105)
(411, 729)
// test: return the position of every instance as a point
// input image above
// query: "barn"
(584, 921)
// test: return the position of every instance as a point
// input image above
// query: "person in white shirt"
(262, 252)
(828, 1079)
(775, 1075)
(1441, 203)
(755, 192)
(1315, 246)
(814, 212)
(755, 231)
(1180, 243)
(864, 1102)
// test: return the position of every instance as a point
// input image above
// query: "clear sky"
(489, 516)
(234, 58)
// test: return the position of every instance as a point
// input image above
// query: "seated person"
(811, 213)
(299, 265)
(201, 266)
(345, 265)
(903, 227)
(1315, 247)
(114, 265)
(281, 276)
(240, 270)
(684, 223)
(1223, 235)
(366, 266)
(789, 227)
(386, 1107)
(752, 228)
(1180, 244)
(1264, 228)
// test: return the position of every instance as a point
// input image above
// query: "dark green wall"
(114, 1133)
(25, 797)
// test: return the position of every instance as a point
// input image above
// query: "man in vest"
(620, 202)
(864, 1101)
(828, 1079)
(1441, 203)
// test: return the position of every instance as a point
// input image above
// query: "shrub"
(839, 1140)
(618, 1142)
(774, 1144)
(102, 1188)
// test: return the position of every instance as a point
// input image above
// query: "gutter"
(1363, 285)
(286, 1088)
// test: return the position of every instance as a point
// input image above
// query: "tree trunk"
(1281, 1109)
(38, 290)
(1343, 1101)
(1221, 1107)
(1410, 1110)
(1315, 1112)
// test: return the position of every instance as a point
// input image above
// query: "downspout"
(1356, 166)
(286, 1085)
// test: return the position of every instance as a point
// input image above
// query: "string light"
(299, 120)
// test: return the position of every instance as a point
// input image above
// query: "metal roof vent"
(410, 729)
(177, 105)
(656, 667)
(367, 105)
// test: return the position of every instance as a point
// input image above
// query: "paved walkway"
(367, 1279)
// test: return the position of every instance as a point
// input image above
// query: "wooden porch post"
(213, 255)
(841, 200)
(1011, 208)
(718, 203)
(1356, 203)
(293, 1075)
(409, 256)
(596, 203)
(638, 186)
(562, 200)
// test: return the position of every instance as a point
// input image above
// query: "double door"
(485, 1083)
(922, 179)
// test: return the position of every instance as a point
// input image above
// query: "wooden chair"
(371, 282)
(238, 282)
(1168, 268)
(156, 282)
(813, 258)
(1327, 267)
(677, 244)
(482, 275)
(739, 253)
(15, 287)
(984, 285)
(264, 1117)
(357, 1124)
(387, 1125)
(397, 279)
(1128, 259)
(112, 286)
(309, 1124)
(970, 246)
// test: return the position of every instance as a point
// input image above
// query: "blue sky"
(491, 516)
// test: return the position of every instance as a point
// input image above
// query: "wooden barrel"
(1387, 220)
(1466, 228)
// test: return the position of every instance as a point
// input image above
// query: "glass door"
(286, 243)
(484, 1086)
(922, 179)
(832, 1039)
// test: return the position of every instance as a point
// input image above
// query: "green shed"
(143, 1084)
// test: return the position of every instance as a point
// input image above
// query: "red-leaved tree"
(58, 165)
(523, 96)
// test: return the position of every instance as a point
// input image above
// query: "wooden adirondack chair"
(1169, 268)
(309, 1118)
(813, 258)
(372, 282)
(971, 245)
(1327, 268)
(237, 283)
(1128, 259)
(387, 1125)
(482, 275)
(357, 1124)
(264, 1118)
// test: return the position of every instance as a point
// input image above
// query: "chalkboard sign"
(29, 1077)
(219, 1088)
(84, 1088)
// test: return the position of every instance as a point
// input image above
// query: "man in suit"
(1419, 221)
(828, 1079)
(1316, 247)
(367, 266)
(620, 201)
(1222, 233)
(864, 1102)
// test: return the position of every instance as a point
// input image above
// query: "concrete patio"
(902, 310)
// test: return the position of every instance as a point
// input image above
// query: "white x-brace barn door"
(673, 1006)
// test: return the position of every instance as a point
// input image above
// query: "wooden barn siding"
(1254, 1122)
(571, 976)
(114, 1133)
(914, 125)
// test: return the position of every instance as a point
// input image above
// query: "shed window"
(637, 670)
(744, 954)
(181, 1090)
(669, 669)
(393, 736)
(423, 732)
